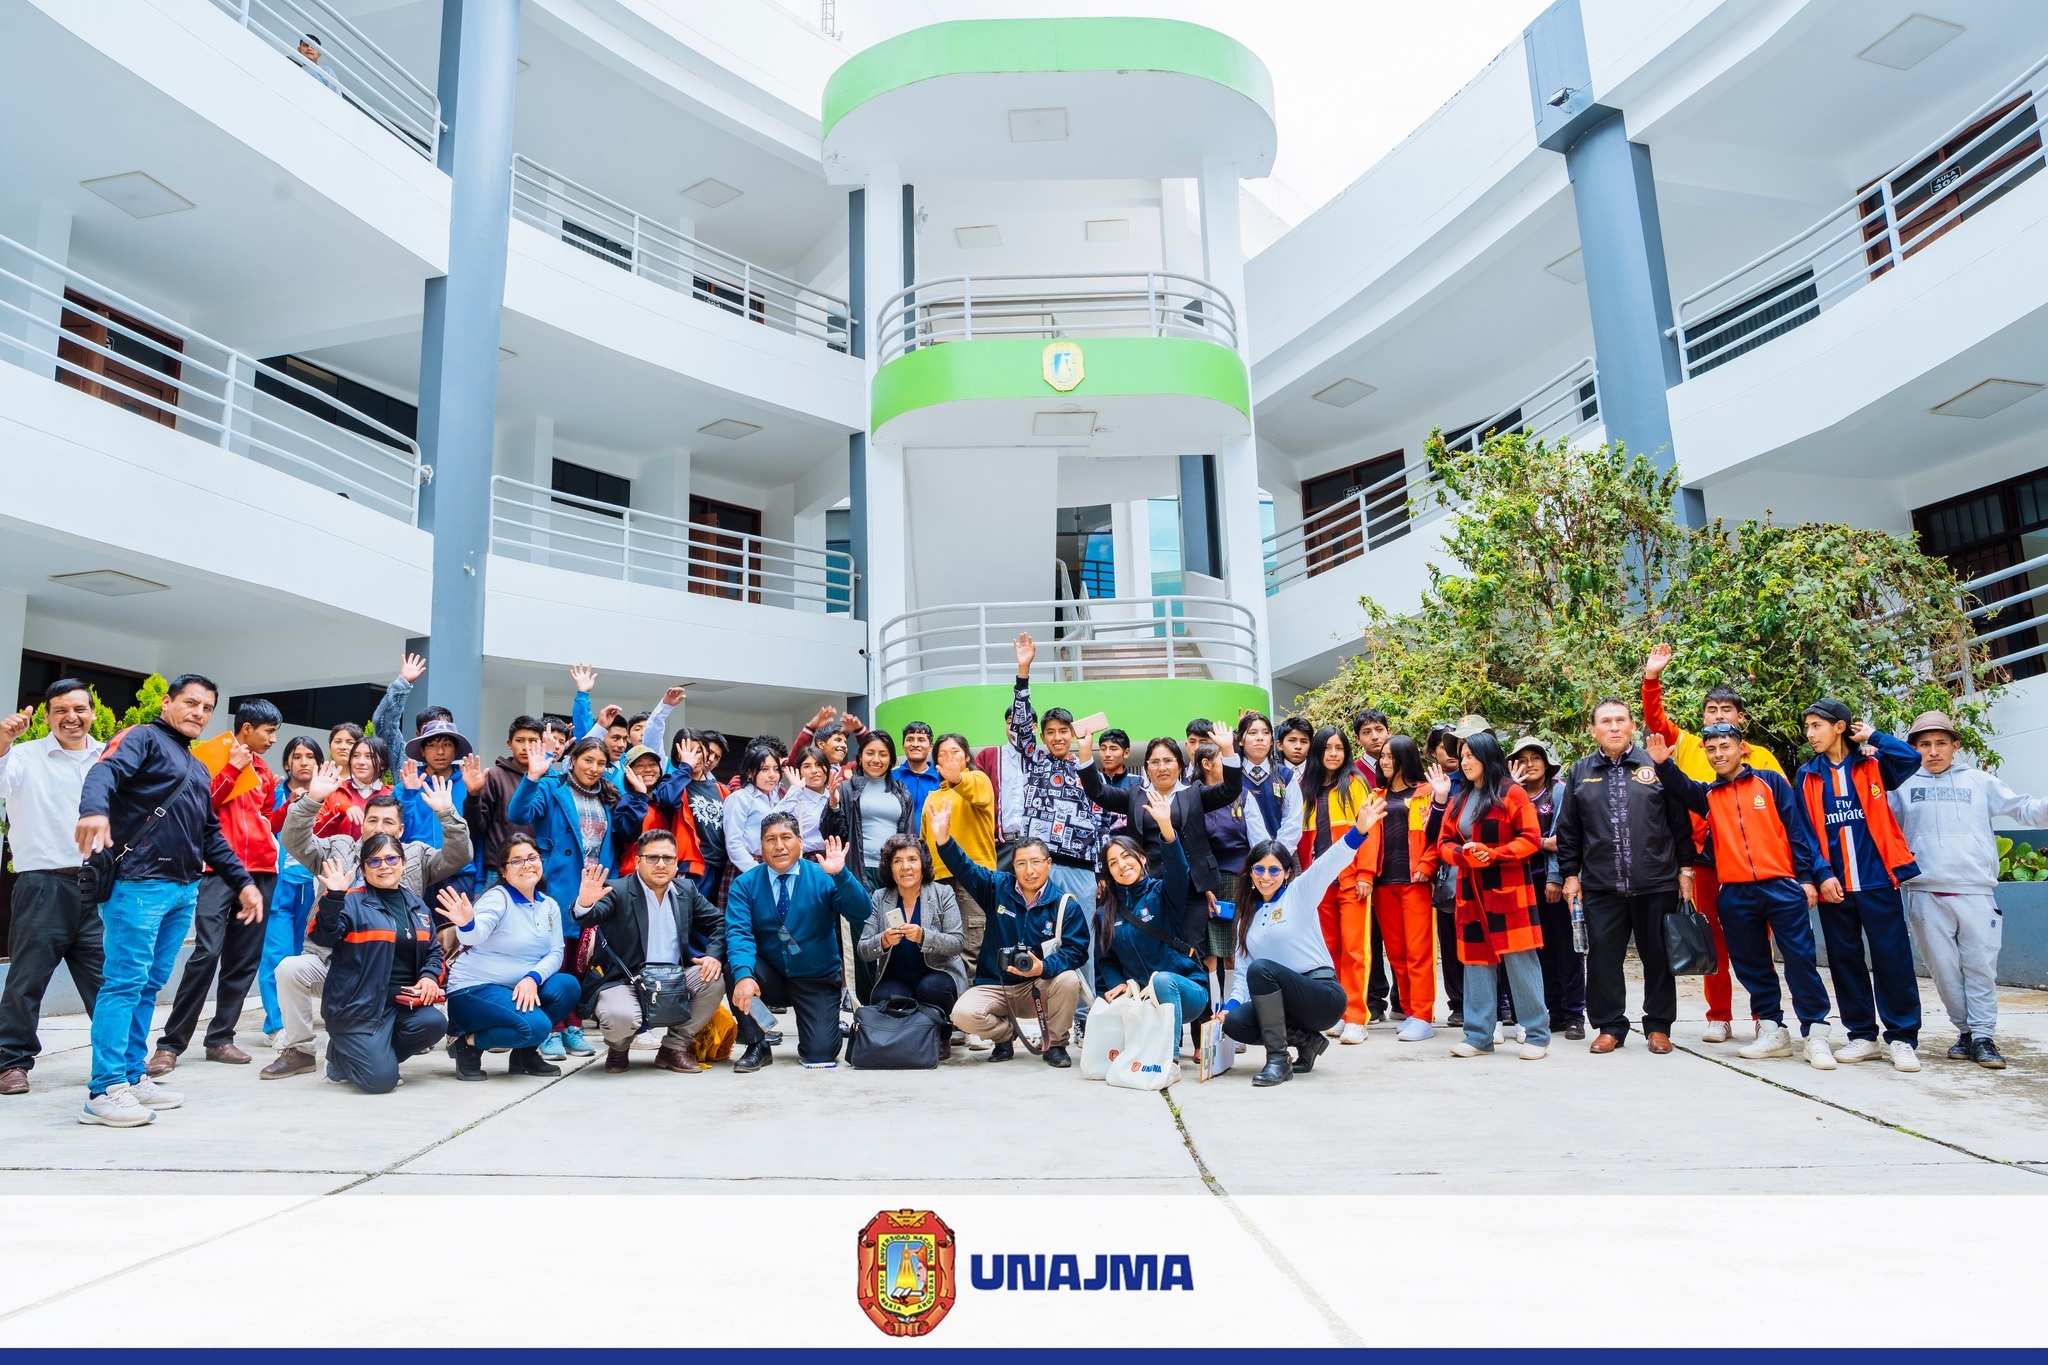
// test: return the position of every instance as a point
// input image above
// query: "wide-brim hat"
(638, 751)
(1531, 742)
(439, 729)
(1930, 720)
(1470, 725)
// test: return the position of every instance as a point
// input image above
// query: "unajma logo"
(906, 1283)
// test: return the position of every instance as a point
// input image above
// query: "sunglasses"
(658, 859)
(1721, 729)
(392, 860)
(1269, 872)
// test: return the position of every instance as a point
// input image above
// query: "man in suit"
(646, 918)
(781, 925)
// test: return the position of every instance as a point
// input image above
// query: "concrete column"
(1237, 459)
(459, 335)
(883, 269)
(46, 230)
(13, 629)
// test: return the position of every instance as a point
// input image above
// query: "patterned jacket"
(1498, 908)
(1056, 806)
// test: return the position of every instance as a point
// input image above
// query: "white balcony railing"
(343, 59)
(1175, 636)
(2007, 629)
(1880, 228)
(56, 322)
(562, 531)
(1384, 511)
(655, 251)
(1154, 303)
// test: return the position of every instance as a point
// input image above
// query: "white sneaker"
(1500, 1034)
(1353, 1033)
(1718, 1031)
(1818, 1054)
(117, 1108)
(150, 1095)
(1335, 1030)
(1533, 1053)
(1521, 1034)
(1461, 1048)
(1414, 1030)
(1859, 1050)
(1775, 1040)
(1904, 1057)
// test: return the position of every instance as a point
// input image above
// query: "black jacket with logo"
(140, 771)
(362, 975)
(1643, 856)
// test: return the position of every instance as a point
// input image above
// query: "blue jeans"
(145, 923)
(1525, 982)
(284, 935)
(488, 1012)
(1188, 998)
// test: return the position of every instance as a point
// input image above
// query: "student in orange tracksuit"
(1402, 859)
(1331, 794)
(1723, 706)
(1770, 872)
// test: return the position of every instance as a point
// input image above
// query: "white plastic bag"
(1217, 1052)
(1150, 1059)
(1103, 1039)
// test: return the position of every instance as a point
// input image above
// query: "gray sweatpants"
(1958, 936)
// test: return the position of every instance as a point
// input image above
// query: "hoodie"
(1947, 819)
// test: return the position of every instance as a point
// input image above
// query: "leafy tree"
(1564, 566)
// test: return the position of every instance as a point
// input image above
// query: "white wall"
(983, 523)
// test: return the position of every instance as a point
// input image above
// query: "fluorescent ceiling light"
(505, 355)
(987, 234)
(1038, 125)
(1343, 393)
(712, 193)
(1993, 395)
(109, 583)
(1916, 38)
(1571, 267)
(138, 195)
(1063, 424)
(1109, 229)
(729, 429)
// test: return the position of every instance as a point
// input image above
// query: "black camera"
(1019, 958)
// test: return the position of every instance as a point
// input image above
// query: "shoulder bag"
(899, 1034)
(97, 873)
(1689, 942)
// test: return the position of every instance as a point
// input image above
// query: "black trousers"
(370, 1056)
(50, 925)
(815, 1000)
(1379, 990)
(931, 988)
(1447, 958)
(1611, 920)
(1564, 970)
(1313, 1003)
(220, 940)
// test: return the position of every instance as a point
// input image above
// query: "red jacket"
(245, 821)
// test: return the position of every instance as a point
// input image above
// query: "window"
(583, 486)
(322, 708)
(1086, 549)
(1763, 316)
(1335, 538)
(1990, 529)
(838, 539)
(723, 561)
(597, 244)
(400, 416)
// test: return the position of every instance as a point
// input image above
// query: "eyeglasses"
(658, 859)
(392, 860)
(524, 860)
(1269, 872)
(1721, 729)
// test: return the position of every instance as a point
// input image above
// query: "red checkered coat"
(1498, 901)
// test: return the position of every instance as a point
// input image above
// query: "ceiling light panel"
(712, 193)
(1079, 425)
(138, 195)
(1343, 393)
(1571, 267)
(1993, 395)
(1916, 38)
(1109, 229)
(984, 235)
(728, 429)
(109, 583)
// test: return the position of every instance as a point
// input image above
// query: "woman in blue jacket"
(570, 816)
(1145, 944)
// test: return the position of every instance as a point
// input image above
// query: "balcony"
(1560, 409)
(64, 326)
(621, 237)
(1880, 229)
(558, 530)
(348, 63)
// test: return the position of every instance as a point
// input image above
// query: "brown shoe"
(229, 1053)
(615, 1058)
(677, 1059)
(13, 1081)
(1606, 1042)
(291, 1061)
(161, 1063)
(1660, 1043)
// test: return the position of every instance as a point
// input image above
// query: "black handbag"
(1689, 942)
(664, 994)
(899, 1034)
(97, 873)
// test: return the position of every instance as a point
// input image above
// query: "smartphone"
(1092, 725)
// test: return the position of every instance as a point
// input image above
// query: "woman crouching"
(384, 977)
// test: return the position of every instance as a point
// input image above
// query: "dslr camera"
(1019, 958)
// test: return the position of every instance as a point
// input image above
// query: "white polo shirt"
(40, 782)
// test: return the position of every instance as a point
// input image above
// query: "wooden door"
(723, 562)
(1341, 534)
(1968, 181)
(141, 376)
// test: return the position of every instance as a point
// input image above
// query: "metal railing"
(1884, 224)
(1384, 511)
(619, 236)
(57, 323)
(2007, 629)
(347, 63)
(560, 530)
(1174, 636)
(1153, 303)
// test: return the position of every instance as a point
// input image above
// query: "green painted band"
(1013, 367)
(983, 46)
(1142, 707)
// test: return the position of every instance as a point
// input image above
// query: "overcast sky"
(1350, 79)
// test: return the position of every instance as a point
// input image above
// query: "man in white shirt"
(40, 780)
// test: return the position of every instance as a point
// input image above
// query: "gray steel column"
(459, 337)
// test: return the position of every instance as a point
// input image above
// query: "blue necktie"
(782, 905)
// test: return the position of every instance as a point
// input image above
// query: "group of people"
(1290, 884)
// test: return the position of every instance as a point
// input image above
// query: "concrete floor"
(1283, 1176)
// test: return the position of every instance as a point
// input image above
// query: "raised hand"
(1860, 731)
(409, 774)
(333, 877)
(537, 762)
(326, 782)
(692, 752)
(411, 668)
(1654, 666)
(1159, 805)
(820, 719)
(1225, 742)
(15, 726)
(941, 816)
(457, 907)
(1370, 812)
(634, 781)
(1655, 747)
(592, 887)
(835, 856)
(439, 794)
(673, 697)
(473, 772)
(605, 718)
(1439, 782)
(583, 675)
(1027, 650)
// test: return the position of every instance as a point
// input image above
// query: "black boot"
(527, 1061)
(1308, 1045)
(754, 1058)
(1003, 1051)
(1272, 1012)
(469, 1059)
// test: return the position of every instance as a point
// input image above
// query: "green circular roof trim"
(1012, 367)
(980, 46)
(1143, 706)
